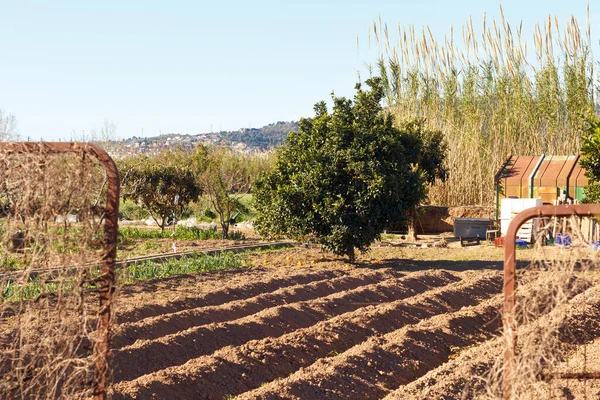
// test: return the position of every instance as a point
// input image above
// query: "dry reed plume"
(490, 94)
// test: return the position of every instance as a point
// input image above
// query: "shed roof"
(551, 172)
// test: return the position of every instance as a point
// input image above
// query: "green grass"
(12, 291)
(247, 207)
(268, 249)
(180, 233)
(59, 239)
(8, 263)
(150, 245)
(132, 211)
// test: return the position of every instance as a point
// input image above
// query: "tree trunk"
(224, 224)
(412, 225)
(351, 255)
(161, 225)
(225, 227)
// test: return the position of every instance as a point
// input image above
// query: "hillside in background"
(265, 138)
(244, 140)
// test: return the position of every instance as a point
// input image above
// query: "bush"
(590, 158)
(343, 177)
(129, 210)
(208, 213)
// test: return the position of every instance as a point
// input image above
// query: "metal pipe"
(568, 179)
(497, 179)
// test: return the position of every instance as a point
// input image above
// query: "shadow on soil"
(423, 265)
(159, 283)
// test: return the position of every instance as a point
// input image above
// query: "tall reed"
(490, 94)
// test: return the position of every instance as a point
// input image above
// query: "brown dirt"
(280, 356)
(301, 324)
(228, 333)
(464, 376)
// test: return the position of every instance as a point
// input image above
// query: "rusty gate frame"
(510, 283)
(106, 281)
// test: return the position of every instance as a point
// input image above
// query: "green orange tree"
(343, 177)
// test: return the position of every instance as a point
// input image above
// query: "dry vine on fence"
(555, 323)
(52, 249)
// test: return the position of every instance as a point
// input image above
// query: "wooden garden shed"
(545, 177)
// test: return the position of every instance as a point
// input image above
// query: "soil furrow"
(179, 348)
(234, 370)
(378, 365)
(155, 327)
(381, 364)
(465, 375)
(225, 294)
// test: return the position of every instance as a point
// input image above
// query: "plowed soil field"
(387, 328)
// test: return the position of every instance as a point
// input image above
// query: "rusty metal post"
(106, 282)
(510, 275)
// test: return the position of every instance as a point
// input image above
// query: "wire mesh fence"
(58, 225)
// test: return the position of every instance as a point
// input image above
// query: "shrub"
(131, 211)
(343, 177)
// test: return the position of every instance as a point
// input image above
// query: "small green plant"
(150, 245)
(8, 263)
(132, 211)
(151, 269)
(13, 291)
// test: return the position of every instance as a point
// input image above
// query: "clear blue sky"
(184, 66)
